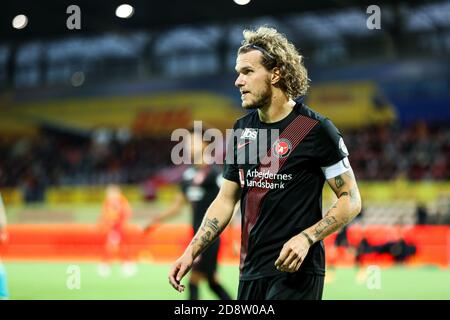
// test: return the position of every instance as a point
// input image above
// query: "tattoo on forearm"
(333, 221)
(328, 225)
(339, 182)
(213, 224)
(206, 238)
(211, 230)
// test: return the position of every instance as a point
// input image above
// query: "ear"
(276, 75)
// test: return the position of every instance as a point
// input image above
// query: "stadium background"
(83, 108)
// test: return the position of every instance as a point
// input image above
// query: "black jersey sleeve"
(231, 170)
(329, 147)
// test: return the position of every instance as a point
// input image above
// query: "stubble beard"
(262, 99)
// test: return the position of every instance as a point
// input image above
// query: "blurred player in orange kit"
(3, 239)
(116, 211)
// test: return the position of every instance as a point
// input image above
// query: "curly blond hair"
(278, 52)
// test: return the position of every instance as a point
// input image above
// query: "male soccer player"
(282, 255)
(3, 239)
(199, 186)
(116, 211)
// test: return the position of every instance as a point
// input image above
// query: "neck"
(279, 108)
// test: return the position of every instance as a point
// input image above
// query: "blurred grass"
(41, 280)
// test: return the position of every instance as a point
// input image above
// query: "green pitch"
(39, 280)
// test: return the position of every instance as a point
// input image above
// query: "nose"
(239, 81)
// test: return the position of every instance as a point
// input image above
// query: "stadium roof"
(47, 19)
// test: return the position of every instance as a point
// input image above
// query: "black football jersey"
(281, 184)
(200, 186)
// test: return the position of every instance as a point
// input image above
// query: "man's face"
(253, 80)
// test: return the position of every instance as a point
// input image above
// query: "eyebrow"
(243, 69)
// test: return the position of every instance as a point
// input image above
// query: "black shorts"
(206, 263)
(286, 286)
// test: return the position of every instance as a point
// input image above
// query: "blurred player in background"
(116, 212)
(282, 253)
(3, 239)
(199, 186)
(340, 248)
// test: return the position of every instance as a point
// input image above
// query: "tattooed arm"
(345, 209)
(216, 219)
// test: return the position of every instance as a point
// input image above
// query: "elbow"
(353, 209)
(357, 207)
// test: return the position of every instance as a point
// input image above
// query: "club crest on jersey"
(249, 133)
(281, 148)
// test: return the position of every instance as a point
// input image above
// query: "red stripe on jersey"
(295, 132)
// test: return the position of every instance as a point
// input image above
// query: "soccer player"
(3, 239)
(116, 211)
(199, 186)
(282, 254)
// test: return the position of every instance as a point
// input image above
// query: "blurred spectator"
(421, 214)
(399, 249)
(419, 152)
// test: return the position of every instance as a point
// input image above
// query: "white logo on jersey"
(249, 133)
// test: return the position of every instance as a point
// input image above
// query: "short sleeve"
(329, 147)
(231, 170)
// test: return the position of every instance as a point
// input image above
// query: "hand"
(179, 269)
(293, 254)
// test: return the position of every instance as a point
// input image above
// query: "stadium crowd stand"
(418, 152)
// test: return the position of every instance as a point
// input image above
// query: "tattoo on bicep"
(339, 181)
